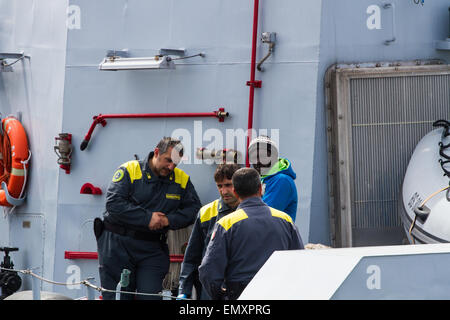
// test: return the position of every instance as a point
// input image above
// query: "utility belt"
(100, 225)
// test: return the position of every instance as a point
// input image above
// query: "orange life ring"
(14, 162)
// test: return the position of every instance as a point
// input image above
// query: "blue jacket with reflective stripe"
(242, 242)
(136, 192)
(198, 242)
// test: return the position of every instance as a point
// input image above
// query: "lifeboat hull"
(425, 176)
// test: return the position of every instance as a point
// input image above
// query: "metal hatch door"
(376, 114)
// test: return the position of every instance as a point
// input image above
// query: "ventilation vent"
(376, 116)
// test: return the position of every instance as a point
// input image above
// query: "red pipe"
(80, 255)
(176, 258)
(73, 255)
(252, 83)
(100, 119)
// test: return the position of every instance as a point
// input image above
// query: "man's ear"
(260, 190)
(235, 194)
(156, 152)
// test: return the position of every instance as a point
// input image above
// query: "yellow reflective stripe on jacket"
(230, 219)
(181, 177)
(209, 211)
(134, 170)
(281, 214)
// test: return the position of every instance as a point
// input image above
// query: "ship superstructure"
(346, 87)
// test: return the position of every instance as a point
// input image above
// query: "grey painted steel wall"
(35, 89)
(220, 29)
(345, 38)
(60, 89)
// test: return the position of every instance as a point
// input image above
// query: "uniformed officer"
(144, 200)
(243, 240)
(203, 227)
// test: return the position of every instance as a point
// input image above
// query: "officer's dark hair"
(168, 142)
(225, 171)
(246, 182)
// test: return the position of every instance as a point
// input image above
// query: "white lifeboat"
(425, 197)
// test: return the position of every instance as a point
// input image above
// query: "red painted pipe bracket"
(77, 255)
(89, 188)
(255, 84)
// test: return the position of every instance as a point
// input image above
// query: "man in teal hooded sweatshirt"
(277, 175)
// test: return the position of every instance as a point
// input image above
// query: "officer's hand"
(155, 222)
(158, 221)
(164, 220)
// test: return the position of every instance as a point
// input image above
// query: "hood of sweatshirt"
(282, 166)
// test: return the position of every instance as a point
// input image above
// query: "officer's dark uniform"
(241, 243)
(126, 241)
(198, 242)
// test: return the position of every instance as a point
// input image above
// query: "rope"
(413, 224)
(24, 163)
(432, 195)
(90, 285)
(446, 125)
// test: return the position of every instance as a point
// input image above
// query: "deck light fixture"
(115, 63)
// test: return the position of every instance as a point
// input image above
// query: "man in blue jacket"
(145, 199)
(277, 175)
(242, 241)
(203, 227)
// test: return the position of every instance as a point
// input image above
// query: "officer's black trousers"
(148, 262)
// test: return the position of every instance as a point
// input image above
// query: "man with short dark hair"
(243, 240)
(203, 227)
(144, 200)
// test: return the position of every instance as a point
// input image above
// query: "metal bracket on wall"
(7, 67)
(172, 52)
(445, 45)
(254, 84)
(117, 53)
